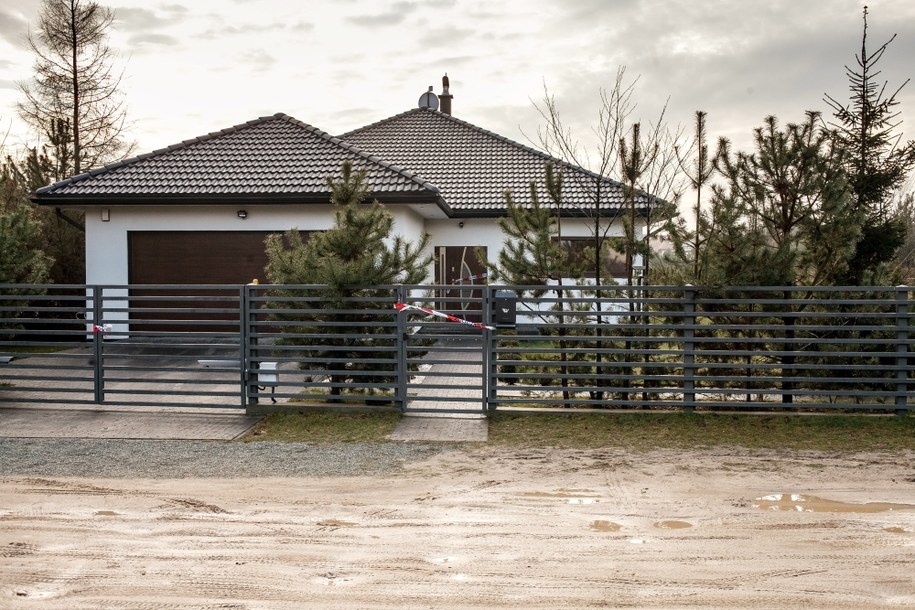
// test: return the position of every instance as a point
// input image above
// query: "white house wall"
(106, 241)
(486, 232)
(107, 249)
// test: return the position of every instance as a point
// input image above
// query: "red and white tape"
(449, 317)
(470, 278)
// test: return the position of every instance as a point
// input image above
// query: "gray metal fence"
(569, 346)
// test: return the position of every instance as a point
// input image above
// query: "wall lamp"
(461, 225)
(242, 214)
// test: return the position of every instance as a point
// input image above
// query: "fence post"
(489, 363)
(689, 321)
(97, 346)
(246, 351)
(902, 350)
(403, 370)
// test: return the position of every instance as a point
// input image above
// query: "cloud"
(395, 15)
(8, 84)
(149, 40)
(258, 59)
(238, 30)
(144, 20)
(13, 27)
(301, 26)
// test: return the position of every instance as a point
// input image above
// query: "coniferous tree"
(22, 261)
(534, 255)
(59, 236)
(878, 162)
(697, 166)
(796, 192)
(73, 100)
(355, 262)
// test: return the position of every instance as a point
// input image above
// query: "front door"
(460, 267)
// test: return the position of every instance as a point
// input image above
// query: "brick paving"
(453, 412)
(449, 413)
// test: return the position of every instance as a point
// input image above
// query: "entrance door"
(460, 267)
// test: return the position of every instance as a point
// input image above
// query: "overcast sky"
(196, 66)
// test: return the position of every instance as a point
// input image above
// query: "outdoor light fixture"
(461, 225)
(242, 214)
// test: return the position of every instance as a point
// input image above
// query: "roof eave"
(81, 200)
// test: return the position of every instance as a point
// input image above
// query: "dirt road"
(485, 528)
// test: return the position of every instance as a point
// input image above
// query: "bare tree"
(73, 100)
(616, 104)
(656, 184)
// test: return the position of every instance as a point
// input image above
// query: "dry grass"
(633, 431)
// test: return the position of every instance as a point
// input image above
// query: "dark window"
(581, 250)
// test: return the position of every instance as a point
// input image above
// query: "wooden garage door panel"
(192, 257)
(196, 257)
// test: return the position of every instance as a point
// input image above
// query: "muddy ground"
(482, 528)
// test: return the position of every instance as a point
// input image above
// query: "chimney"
(445, 97)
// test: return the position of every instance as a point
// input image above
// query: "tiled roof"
(473, 167)
(274, 157)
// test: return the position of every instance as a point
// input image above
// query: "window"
(581, 249)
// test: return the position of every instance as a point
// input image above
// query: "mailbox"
(267, 374)
(504, 313)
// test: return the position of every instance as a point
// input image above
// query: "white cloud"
(202, 65)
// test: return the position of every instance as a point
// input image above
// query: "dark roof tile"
(270, 155)
(473, 167)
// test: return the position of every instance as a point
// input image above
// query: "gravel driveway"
(160, 459)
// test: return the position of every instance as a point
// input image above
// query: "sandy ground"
(483, 528)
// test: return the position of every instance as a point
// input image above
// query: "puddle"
(672, 524)
(571, 496)
(561, 493)
(336, 523)
(605, 526)
(105, 513)
(896, 530)
(813, 504)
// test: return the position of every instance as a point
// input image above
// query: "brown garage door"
(196, 257)
(191, 257)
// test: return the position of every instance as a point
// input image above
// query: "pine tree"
(533, 253)
(878, 163)
(355, 262)
(793, 193)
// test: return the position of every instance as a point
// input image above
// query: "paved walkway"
(452, 411)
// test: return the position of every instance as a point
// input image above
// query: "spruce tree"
(878, 162)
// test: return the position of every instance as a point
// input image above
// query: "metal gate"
(132, 346)
(445, 353)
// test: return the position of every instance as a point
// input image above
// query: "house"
(199, 211)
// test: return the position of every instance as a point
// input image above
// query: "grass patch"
(323, 428)
(648, 431)
(631, 431)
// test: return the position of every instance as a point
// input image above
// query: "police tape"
(403, 307)
(470, 278)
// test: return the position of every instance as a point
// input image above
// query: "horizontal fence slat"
(583, 346)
